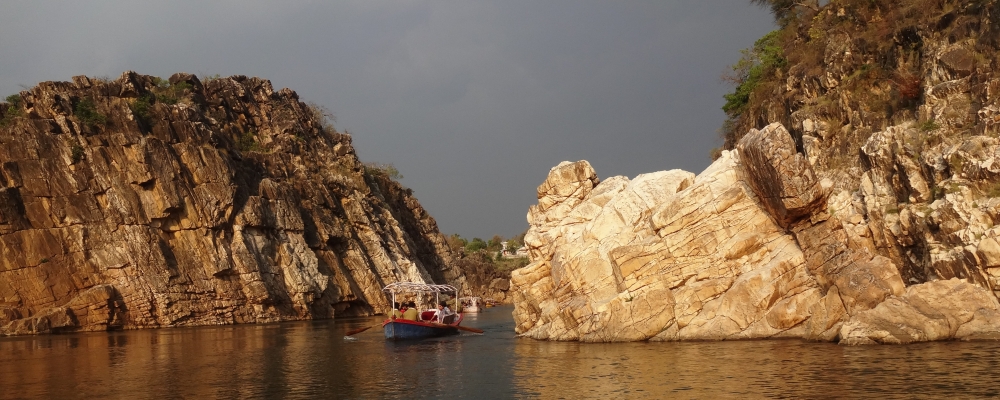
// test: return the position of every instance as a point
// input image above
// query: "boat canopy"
(414, 287)
(410, 287)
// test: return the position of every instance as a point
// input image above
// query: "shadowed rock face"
(753, 247)
(139, 203)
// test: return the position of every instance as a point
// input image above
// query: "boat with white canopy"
(471, 304)
(428, 323)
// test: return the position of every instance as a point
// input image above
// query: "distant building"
(508, 252)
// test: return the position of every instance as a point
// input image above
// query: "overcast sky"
(473, 101)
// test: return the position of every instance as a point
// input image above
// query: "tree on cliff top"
(786, 10)
(386, 169)
(323, 115)
(457, 243)
(757, 63)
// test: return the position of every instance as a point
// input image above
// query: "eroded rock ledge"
(137, 202)
(753, 247)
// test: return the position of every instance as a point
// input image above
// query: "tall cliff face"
(869, 213)
(137, 202)
(896, 103)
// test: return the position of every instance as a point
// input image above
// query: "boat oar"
(359, 330)
(465, 328)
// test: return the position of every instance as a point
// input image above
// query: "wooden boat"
(404, 329)
(471, 304)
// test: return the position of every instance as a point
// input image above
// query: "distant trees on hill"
(488, 252)
(495, 244)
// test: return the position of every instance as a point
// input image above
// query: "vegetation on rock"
(486, 268)
(87, 113)
(860, 64)
(11, 111)
(383, 169)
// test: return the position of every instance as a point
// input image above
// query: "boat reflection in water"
(312, 359)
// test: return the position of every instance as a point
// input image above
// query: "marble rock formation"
(139, 202)
(753, 247)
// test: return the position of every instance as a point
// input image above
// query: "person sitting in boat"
(411, 311)
(442, 312)
(395, 311)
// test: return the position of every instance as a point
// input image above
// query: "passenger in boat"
(411, 311)
(395, 311)
(442, 311)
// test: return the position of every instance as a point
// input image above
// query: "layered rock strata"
(138, 202)
(756, 246)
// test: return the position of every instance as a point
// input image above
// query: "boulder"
(782, 178)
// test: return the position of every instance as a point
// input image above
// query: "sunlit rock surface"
(137, 202)
(756, 246)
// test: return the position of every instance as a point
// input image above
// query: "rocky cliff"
(868, 214)
(482, 277)
(139, 202)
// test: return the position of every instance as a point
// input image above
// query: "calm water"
(314, 360)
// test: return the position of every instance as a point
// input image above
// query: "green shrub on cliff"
(456, 242)
(77, 152)
(323, 115)
(87, 113)
(929, 125)
(248, 142)
(141, 108)
(510, 264)
(991, 189)
(786, 11)
(387, 170)
(168, 93)
(757, 63)
(13, 110)
(209, 78)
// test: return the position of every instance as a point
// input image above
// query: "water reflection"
(312, 359)
(790, 369)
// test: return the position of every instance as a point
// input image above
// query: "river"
(313, 359)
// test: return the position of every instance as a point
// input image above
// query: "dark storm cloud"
(472, 101)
